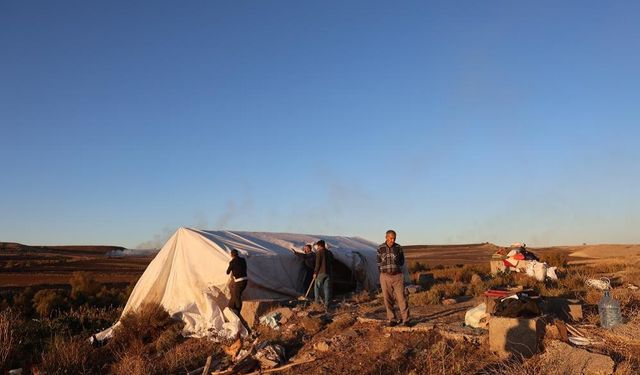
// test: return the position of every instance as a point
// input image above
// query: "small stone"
(412, 289)
(322, 346)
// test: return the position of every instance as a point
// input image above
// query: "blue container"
(609, 311)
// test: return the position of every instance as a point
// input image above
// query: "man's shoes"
(407, 323)
(391, 323)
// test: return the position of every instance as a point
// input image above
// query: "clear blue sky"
(448, 121)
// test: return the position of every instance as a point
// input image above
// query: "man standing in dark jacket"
(238, 269)
(322, 272)
(390, 262)
(309, 261)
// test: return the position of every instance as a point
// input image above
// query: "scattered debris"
(233, 349)
(569, 360)
(246, 365)
(601, 284)
(519, 259)
(276, 317)
(563, 332)
(477, 317)
(292, 364)
(270, 355)
(517, 306)
(453, 301)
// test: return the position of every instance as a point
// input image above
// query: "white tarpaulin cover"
(188, 275)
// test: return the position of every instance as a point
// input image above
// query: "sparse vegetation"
(148, 341)
(8, 337)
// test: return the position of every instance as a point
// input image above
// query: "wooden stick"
(281, 367)
(199, 371)
(310, 285)
(207, 366)
(574, 330)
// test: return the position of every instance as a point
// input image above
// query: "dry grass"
(189, 355)
(340, 323)
(134, 363)
(311, 326)
(67, 356)
(9, 320)
(440, 291)
(531, 366)
(362, 297)
(143, 326)
(432, 354)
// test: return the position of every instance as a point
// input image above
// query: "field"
(54, 298)
(52, 266)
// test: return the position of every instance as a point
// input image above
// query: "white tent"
(188, 275)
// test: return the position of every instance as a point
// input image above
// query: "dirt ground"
(350, 338)
(356, 340)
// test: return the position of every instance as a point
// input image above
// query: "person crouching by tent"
(390, 262)
(238, 269)
(322, 274)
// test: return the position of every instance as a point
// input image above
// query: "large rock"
(515, 336)
(563, 308)
(565, 359)
(425, 280)
(476, 279)
(252, 310)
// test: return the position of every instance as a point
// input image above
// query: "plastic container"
(609, 311)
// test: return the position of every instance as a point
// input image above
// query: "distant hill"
(65, 249)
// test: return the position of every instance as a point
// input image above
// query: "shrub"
(8, 337)
(189, 354)
(23, 302)
(555, 258)
(110, 297)
(67, 356)
(133, 363)
(418, 267)
(45, 301)
(83, 286)
(169, 338)
(141, 327)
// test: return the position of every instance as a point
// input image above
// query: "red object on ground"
(498, 293)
